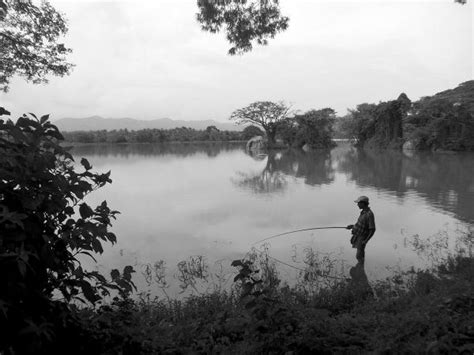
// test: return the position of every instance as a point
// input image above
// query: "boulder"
(409, 145)
(256, 143)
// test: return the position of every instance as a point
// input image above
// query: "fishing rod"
(295, 231)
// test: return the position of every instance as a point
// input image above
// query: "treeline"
(444, 121)
(182, 134)
(313, 128)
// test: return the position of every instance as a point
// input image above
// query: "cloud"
(150, 59)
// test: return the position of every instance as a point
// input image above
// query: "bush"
(44, 227)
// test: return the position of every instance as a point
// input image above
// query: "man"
(364, 228)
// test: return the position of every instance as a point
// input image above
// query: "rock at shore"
(256, 143)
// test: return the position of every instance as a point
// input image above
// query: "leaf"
(86, 164)
(89, 292)
(85, 211)
(44, 118)
(97, 245)
(127, 272)
(69, 210)
(115, 274)
(111, 236)
(4, 112)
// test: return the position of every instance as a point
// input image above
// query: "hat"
(362, 199)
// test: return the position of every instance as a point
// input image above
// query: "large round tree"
(266, 114)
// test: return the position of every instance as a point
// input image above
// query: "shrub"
(44, 227)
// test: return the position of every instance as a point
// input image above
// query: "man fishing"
(364, 228)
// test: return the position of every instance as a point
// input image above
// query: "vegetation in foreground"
(412, 312)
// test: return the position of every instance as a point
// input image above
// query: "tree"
(266, 114)
(316, 128)
(144, 136)
(245, 21)
(29, 42)
(360, 123)
(44, 226)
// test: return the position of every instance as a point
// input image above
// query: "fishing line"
(295, 231)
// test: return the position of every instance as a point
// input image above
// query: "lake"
(214, 200)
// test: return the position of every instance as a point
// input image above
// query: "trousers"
(360, 255)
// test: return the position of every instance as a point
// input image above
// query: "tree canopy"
(266, 114)
(245, 22)
(30, 42)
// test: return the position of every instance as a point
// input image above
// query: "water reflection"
(211, 149)
(359, 283)
(446, 181)
(179, 200)
(382, 169)
(315, 168)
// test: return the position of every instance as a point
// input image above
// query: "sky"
(149, 59)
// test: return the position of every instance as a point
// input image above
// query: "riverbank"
(414, 312)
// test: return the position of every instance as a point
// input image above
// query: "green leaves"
(85, 211)
(85, 164)
(124, 280)
(44, 225)
(3, 111)
(245, 22)
(12, 217)
(29, 41)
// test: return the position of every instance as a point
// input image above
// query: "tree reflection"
(179, 149)
(445, 180)
(315, 168)
(375, 168)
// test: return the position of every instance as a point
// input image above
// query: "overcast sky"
(149, 59)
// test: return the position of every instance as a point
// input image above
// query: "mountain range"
(97, 123)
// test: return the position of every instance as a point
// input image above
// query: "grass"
(424, 311)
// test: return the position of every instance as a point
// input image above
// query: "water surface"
(177, 201)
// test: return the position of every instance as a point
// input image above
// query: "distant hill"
(97, 123)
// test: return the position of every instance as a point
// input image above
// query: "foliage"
(251, 131)
(44, 227)
(443, 121)
(315, 128)
(182, 134)
(245, 22)
(266, 114)
(30, 41)
(378, 125)
(411, 312)
(361, 123)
